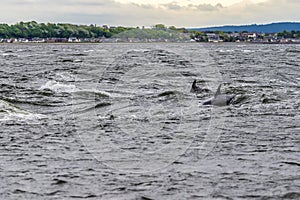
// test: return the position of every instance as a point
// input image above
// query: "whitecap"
(59, 87)
(9, 111)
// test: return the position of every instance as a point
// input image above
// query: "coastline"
(128, 42)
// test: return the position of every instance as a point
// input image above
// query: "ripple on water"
(72, 116)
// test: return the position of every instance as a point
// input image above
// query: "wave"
(10, 112)
(92, 93)
(94, 107)
(169, 93)
(68, 88)
(58, 87)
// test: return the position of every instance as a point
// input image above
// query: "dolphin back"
(218, 92)
(219, 99)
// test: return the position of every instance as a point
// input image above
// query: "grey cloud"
(172, 6)
(199, 7)
(219, 5)
(207, 7)
(144, 6)
(60, 2)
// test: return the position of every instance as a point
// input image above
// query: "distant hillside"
(264, 28)
(148, 34)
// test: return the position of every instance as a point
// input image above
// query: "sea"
(119, 121)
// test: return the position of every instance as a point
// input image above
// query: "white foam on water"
(248, 51)
(10, 112)
(68, 88)
(59, 87)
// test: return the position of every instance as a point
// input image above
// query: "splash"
(10, 112)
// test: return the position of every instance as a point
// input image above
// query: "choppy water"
(118, 121)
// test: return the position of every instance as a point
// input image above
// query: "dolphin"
(219, 99)
(196, 89)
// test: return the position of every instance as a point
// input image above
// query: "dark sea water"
(118, 121)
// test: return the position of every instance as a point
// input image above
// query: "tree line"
(50, 30)
(291, 34)
(33, 29)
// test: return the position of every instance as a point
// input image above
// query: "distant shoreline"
(33, 32)
(182, 42)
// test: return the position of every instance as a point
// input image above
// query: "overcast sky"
(181, 13)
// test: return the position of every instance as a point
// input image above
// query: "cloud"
(200, 7)
(143, 6)
(172, 6)
(206, 7)
(264, 12)
(132, 14)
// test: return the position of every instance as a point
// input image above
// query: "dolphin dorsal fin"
(218, 92)
(194, 84)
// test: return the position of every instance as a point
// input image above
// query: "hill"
(263, 28)
(152, 34)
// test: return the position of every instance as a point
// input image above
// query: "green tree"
(4, 31)
(159, 27)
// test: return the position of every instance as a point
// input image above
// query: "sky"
(133, 13)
